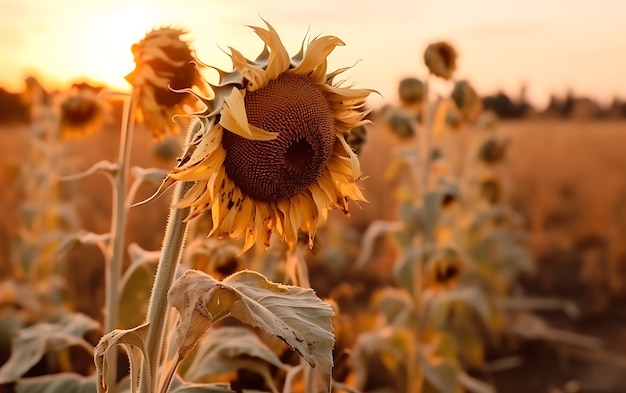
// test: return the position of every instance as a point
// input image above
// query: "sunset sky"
(551, 45)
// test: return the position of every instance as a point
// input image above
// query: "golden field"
(566, 178)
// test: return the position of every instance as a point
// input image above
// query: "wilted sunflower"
(272, 151)
(443, 268)
(440, 58)
(82, 112)
(401, 125)
(163, 61)
(411, 91)
(467, 100)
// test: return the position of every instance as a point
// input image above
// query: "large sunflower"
(271, 154)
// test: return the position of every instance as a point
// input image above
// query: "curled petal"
(235, 120)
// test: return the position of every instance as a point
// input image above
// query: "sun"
(108, 38)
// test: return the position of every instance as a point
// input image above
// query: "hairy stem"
(171, 253)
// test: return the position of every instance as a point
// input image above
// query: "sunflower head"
(357, 139)
(493, 150)
(491, 189)
(163, 63)
(82, 112)
(411, 91)
(467, 100)
(444, 267)
(440, 58)
(403, 126)
(271, 155)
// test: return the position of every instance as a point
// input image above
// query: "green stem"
(114, 256)
(171, 252)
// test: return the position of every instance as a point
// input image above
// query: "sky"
(550, 46)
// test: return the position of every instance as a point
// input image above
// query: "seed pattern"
(297, 109)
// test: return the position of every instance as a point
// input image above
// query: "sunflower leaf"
(133, 342)
(228, 349)
(63, 382)
(203, 388)
(31, 343)
(293, 314)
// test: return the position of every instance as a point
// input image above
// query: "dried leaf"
(442, 374)
(203, 388)
(375, 230)
(295, 315)
(105, 166)
(133, 342)
(31, 343)
(230, 348)
(63, 382)
(149, 175)
(83, 237)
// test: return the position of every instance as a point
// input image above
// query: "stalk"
(114, 256)
(415, 382)
(171, 253)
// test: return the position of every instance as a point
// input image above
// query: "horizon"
(551, 49)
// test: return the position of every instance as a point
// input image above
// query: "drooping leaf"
(136, 285)
(374, 231)
(404, 266)
(203, 388)
(83, 237)
(295, 315)
(389, 348)
(474, 385)
(31, 343)
(439, 302)
(133, 340)
(442, 374)
(394, 304)
(55, 383)
(104, 166)
(228, 349)
(149, 175)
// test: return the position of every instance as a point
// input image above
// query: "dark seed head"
(298, 110)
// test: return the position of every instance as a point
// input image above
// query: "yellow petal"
(235, 119)
(290, 222)
(256, 76)
(355, 165)
(316, 54)
(278, 61)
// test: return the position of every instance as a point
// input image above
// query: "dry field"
(566, 179)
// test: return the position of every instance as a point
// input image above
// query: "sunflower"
(467, 100)
(271, 155)
(164, 62)
(82, 112)
(440, 58)
(411, 91)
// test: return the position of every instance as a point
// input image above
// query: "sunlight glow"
(108, 39)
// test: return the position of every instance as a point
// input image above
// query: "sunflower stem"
(415, 382)
(299, 274)
(114, 255)
(171, 253)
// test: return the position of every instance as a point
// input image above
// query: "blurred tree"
(12, 109)
(504, 107)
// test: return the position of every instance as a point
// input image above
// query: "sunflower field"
(273, 232)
